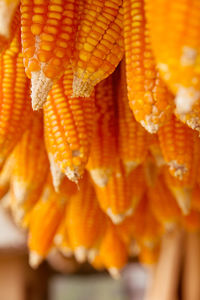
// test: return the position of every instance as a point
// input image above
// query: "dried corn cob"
(15, 109)
(146, 229)
(9, 20)
(68, 129)
(115, 198)
(131, 133)
(181, 189)
(61, 239)
(48, 32)
(149, 98)
(113, 252)
(177, 50)
(104, 144)
(163, 204)
(180, 147)
(44, 221)
(84, 220)
(31, 166)
(99, 44)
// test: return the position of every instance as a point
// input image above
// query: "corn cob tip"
(35, 259)
(6, 201)
(81, 88)
(73, 175)
(57, 174)
(149, 125)
(40, 87)
(80, 254)
(20, 191)
(114, 273)
(100, 176)
(67, 252)
(92, 253)
(183, 198)
(6, 13)
(119, 218)
(177, 169)
(185, 98)
(130, 166)
(169, 226)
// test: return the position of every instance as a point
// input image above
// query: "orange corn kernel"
(68, 130)
(191, 222)
(148, 255)
(104, 144)
(132, 137)
(195, 198)
(48, 33)
(177, 51)
(99, 44)
(149, 98)
(6, 175)
(180, 147)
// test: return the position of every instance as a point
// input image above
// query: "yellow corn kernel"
(99, 44)
(48, 32)
(180, 146)
(68, 129)
(15, 108)
(149, 98)
(132, 137)
(84, 220)
(104, 144)
(177, 51)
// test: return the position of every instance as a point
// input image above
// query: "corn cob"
(48, 32)
(31, 166)
(68, 129)
(9, 20)
(146, 229)
(104, 144)
(149, 98)
(177, 50)
(113, 252)
(99, 44)
(61, 239)
(15, 109)
(115, 198)
(131, 133)
(163, 204)
(155, 150)
(181, 189)
(44, 221)
(84, 220)
(180, 147)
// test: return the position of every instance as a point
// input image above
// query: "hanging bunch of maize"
(85, 175)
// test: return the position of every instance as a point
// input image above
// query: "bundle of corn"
(86, 175)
